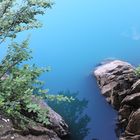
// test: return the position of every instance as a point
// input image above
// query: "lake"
(77, 35)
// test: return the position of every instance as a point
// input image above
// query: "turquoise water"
(77, 35)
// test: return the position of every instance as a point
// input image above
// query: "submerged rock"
(121, 88)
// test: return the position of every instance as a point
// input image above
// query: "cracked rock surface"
(121, 88)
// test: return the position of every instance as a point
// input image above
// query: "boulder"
(115, 79)
(133, 126)
(133, 100)
(125, 111)
(135, 87)
(121, 88)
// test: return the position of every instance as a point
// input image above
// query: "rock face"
(56, 130)
(57, 123)
(121, 88)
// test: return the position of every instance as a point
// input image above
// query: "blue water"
(76, 36)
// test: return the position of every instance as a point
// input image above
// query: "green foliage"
(137, 71)
(19, 85)
(20, 89)
(19, 15)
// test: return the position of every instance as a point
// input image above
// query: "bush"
(137, 71)
(19, 84)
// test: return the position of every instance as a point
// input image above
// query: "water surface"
(77, 36)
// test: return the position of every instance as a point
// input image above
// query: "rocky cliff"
(57, 129)
(121, 88)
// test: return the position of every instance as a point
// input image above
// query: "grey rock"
(57, 123)
(115, 80)
(56, 130)
(133, 100)
(121, 88)
(135, 87)
(125, 111)
(133, 126)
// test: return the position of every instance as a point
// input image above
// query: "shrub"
(19, 84)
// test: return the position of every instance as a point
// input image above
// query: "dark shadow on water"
(74, 115)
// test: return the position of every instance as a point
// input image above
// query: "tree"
(19, 82)
(20, 15)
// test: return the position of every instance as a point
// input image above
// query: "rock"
(133, 100)
(57, 123)
(125, 111)
(56, 130)
(137, 137)
(121, 88)
(135, 87)
(133, 126)
(6, 125)
(115, 79)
